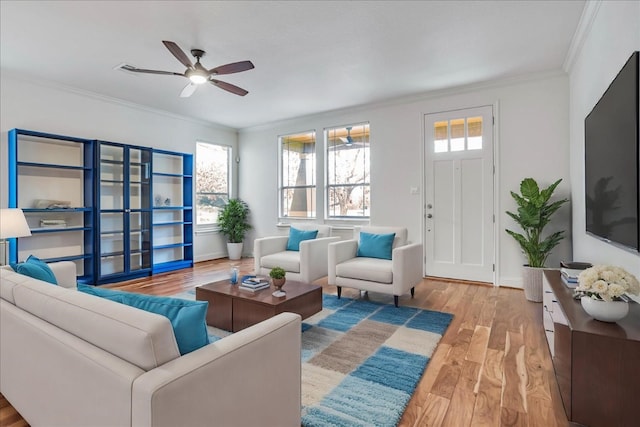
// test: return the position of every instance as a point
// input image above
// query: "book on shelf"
(570, 275)
(569, 271)
(575, 265)
(253, 288)
(569, 283)
(52, 223)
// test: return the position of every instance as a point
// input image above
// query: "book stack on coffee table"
(253, 283)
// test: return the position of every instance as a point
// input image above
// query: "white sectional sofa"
(72, 359)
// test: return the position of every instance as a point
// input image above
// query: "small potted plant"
(278, 279)
(534, 213)
(234, 223)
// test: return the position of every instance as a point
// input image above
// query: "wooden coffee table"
(233, 309)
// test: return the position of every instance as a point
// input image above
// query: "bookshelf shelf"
(172, 210)
(48, 169)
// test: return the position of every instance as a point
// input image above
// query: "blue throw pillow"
(296, 236)
(34, 267)
(187, 317)
(376, 245)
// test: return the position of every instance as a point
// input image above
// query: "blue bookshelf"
(123, 204)
(51, 179)
(172, 188)
(118, 211)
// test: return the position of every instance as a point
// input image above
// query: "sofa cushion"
(34, 267)
(370, 269)
(66, 273)
(375, 245)
(296, 236)
(289, 260)
(323, 230)
(187, 317)
(401, 233)
(143, 339)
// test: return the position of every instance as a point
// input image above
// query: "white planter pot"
(605, 311)
(532, 283)
(234, 250)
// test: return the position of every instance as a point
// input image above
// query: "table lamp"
(12, 224)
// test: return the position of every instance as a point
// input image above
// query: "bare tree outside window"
(348, 171)
(298, 175)
(212, 181)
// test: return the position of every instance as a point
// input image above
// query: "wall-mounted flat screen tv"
(612, 161)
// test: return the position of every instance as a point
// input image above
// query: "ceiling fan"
(197, 73)
(349, 139)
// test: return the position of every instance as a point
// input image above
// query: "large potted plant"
(535, 209)
(233, 223)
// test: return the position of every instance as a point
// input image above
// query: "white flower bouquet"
(606, 283)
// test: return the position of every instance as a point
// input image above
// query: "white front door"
(459, 235)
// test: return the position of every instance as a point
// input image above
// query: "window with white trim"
(298, 175)
(348, 171)
(213, 168)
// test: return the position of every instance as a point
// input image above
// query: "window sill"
(341, 224)
(209, 229)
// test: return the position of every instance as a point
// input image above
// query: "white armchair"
(306, 265)
(396, 276)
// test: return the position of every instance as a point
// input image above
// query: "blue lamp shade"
(13, 224)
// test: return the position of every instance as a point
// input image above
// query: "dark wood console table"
(597, 364)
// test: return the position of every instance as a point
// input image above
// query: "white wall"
(613, 36)
(56, 110)
(532, 136)
(532, 139)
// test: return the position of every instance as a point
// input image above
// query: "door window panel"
(459, 134)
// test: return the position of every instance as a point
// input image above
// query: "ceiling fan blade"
(178, 53)
(235, 67)
(188, 90)
(229, 87)
(142, 70)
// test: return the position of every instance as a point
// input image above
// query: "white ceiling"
(310, 56)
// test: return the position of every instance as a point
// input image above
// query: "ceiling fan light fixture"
(197, 73)
(197, 77)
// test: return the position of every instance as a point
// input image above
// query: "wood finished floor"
(491, 368)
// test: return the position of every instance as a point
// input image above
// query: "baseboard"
(511, 282)
(210, 256)
(217, 255)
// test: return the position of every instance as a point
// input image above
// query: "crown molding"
(407, 99)
(111, 100)
(589, 13)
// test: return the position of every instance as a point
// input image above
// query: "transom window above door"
(459, 134)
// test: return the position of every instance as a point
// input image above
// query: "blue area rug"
(361, 360)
